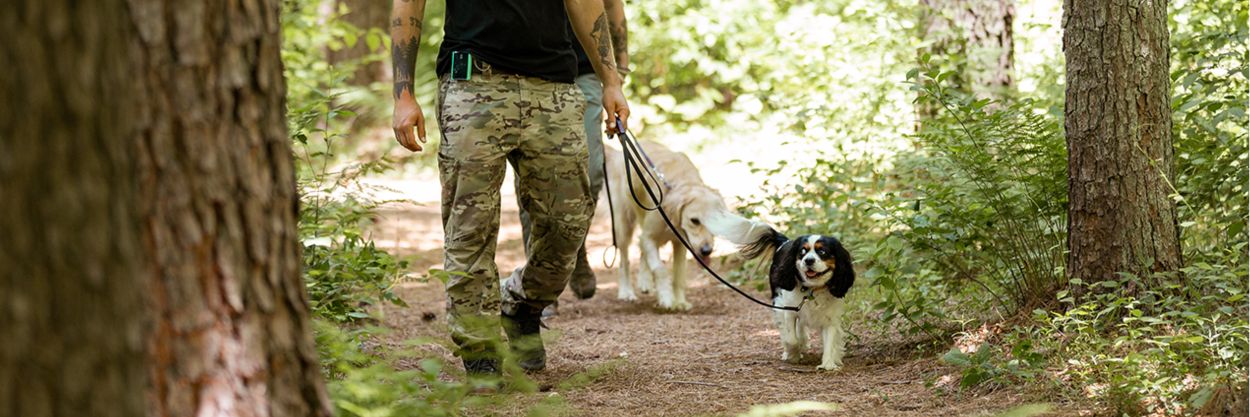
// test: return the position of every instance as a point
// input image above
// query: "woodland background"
(1047, 200)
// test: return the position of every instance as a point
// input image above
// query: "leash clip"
(808, 295)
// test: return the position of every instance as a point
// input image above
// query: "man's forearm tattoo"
(412, 21)
(620, 38)
(599, 32)
(403, 61)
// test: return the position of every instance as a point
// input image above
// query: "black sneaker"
(523, 335)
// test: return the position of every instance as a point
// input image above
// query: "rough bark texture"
(365, 15)
(1118, 125)
(71, 319)
(978, 33)
(150, 257)
(233, 335)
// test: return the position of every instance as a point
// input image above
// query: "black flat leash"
(633, 156)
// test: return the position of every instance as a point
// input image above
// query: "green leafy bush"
(345, 279)
(1168, 350)
(985, 366)
(987, 196)
(344, 271)
(1210, 68)
(364, 384)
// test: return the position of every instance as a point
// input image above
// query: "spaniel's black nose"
(809, 261)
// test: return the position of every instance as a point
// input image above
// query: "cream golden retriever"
(694, 208)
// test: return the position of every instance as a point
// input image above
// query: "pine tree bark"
(72, 313)
(152, 218)
(978, 34)
(1118, 126)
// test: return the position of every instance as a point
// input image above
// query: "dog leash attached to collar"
(633, 153)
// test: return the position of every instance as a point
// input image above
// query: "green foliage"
(990, 187)
(345, 279)
(369, 382)
(972, 214)
(813, 68)
(1163, 349)
(363, 384)
(1210, 67)
(954, 223)
(344, 271)
(313, 83)
(975, 211)
(985, 367)
(1180, 348)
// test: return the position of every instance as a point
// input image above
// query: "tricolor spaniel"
(813, 273)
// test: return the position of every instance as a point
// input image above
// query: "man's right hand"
(407, 116)
(614, 106)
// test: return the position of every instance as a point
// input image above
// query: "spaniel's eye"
(820, 252)
(695, 221)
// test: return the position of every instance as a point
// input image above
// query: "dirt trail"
(720, 358)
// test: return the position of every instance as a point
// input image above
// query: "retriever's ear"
(675, 202)
(843, 271)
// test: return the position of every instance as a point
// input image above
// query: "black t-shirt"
(583, 62)
(525, 37)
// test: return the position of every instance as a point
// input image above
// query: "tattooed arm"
(405, 38)
(590, 24)
(615, 10)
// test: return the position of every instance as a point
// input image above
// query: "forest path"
(617, 358)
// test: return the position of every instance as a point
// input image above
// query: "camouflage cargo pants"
(592, 118)
(486, 122)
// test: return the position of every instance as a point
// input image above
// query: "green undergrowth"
(964, 229)
(957, 222)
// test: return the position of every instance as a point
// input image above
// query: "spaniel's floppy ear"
(843, 271)
(784, 274)
(787, 256)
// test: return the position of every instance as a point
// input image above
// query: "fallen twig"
(797, 369)
(698, 383)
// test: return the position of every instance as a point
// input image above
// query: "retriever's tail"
(755, 237)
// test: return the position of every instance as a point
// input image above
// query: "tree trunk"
(1118, 126)
(72, 311)
(977, 35)
(177, 204)
(364, 15)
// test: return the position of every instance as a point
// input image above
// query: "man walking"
(582, 282)
(506, 71)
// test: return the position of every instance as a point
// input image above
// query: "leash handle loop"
(611, 210)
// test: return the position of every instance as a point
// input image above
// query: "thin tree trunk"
(975, 38)
(1118, 125)
(364, 15)
(150, 251)
(72, 311)
(978, 33)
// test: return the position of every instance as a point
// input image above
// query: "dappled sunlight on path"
(720, 358)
